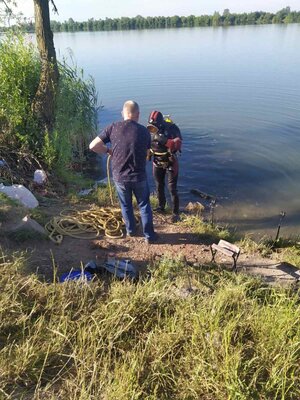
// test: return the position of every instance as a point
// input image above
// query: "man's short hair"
(131, 107)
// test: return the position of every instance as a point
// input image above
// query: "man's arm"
(98, 146)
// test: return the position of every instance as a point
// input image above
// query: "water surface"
(235, 94)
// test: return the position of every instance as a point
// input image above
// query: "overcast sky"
(81, 10)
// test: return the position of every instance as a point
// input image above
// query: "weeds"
(23, 146)
(144, 341)
(290, 255)
(264, 247)
(102, 195)
(206, 231)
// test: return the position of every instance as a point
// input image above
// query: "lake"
(235, 94)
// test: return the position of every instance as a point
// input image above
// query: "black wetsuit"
(165, 163)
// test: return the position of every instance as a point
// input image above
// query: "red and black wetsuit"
(164, 146)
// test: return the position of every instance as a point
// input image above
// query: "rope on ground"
(88, 224)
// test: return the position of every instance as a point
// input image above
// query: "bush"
(19, 78)
(75, 119)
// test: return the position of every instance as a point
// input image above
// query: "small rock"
(29, 223)
(195, 208)
(39, 177)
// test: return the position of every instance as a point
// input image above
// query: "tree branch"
(54, 7)
(9, 10)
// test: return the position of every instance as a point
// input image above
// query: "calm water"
(235, 94)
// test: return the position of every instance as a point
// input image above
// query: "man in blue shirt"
(130, 145)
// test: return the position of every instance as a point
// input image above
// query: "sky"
(81, 10)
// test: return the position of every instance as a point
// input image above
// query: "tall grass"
(231, 338)
(76, 118)
(19, 78)
(205, 230)
(75, 115)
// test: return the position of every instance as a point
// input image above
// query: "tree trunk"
(44, 101)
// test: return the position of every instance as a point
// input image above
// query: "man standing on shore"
(130, 145)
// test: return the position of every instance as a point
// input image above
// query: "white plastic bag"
(21, 194)
(39, 176)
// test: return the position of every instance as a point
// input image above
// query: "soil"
(174, 240)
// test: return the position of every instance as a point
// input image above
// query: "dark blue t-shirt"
(129, 142)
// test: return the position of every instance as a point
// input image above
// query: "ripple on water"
(234, 92)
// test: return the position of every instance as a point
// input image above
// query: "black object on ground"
(282, 215)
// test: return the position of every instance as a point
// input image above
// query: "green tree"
(176, 21)
(71, 25)
(281, 15)
(216, 19)
(191, 20)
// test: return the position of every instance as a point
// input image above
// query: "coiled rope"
(88, 224)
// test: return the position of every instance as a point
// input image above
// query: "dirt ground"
(175, 240)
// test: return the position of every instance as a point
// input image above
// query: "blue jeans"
(141, 193)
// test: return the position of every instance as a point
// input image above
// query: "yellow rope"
(88, 224)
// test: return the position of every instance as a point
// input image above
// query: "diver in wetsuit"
(166, 142)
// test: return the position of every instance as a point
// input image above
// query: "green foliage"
(291, 255)
(250, 246)
(19, 78)
(75, 116)
(40, 215)
(231, 338)
(207, 232)
(102, 195)
(124, 23)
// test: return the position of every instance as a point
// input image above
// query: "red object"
(174, 144)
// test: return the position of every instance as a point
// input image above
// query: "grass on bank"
(206, 231)
(231, 338)
(23, 145)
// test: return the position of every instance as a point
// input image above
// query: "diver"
(166, 143)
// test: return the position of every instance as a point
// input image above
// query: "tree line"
(227, 18)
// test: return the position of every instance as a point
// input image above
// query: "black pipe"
(203, 195)
(282, 215)
(212, 211)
